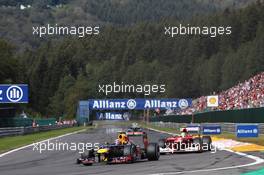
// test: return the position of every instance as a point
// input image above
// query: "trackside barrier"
(225, 127)
(12, 131)
(25, 122)
(252, 115)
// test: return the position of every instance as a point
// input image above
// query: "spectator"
(249, 94)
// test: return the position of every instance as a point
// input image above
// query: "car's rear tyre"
(161, 143)
(78, 161)
(198, 142)
(207, 142)
(153, 152)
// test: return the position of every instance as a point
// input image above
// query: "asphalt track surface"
(29, 162)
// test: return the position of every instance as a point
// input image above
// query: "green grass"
(12, 142)
(257, 172)
(171, 130)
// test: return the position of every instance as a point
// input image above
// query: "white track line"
(257, 160)
(164, 132)
(23, 147)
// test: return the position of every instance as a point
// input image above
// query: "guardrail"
(12, 131)
(226, 127)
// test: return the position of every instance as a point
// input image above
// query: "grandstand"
(249, 94)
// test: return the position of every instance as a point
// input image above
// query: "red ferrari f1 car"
(185, 143)
(128, 148)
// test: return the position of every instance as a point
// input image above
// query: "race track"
(29, 162)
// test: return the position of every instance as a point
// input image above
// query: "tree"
(9, 65)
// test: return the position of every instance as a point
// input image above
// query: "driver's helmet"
(184, 132)
(123, 138)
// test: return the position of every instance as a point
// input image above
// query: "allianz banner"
(13, 93)
(109, 116)
(193, 128)
(212, 130)
(247, 130)
(140, 103)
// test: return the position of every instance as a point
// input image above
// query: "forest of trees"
(132, 11)
(31, 2)
(61, 72)
(16, 24)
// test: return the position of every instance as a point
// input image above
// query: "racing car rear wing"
(137, 133)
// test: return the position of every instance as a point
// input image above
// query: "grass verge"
(171, 130)
(12, 142)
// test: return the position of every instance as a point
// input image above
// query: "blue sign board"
(193, 128)
(130, 104)
(212, 130)
(243, 130)
(15, 93)
(109, 116)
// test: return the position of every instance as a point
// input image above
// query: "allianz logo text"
(244, 131)
(139, 104)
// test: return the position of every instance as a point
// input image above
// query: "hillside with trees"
(133, 11)
(61, 72)
(16, 24)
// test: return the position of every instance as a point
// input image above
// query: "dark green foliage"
(61, 73)
(30, 2)
(16, 25)
(9, 67)
(134, 11)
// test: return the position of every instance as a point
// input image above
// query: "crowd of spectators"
(249, 94)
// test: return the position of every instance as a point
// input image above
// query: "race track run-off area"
(28, 162)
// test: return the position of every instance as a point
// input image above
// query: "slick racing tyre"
(153, 152)
(162, 143)
(207, 143)
(197, 142)
(78, 161)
